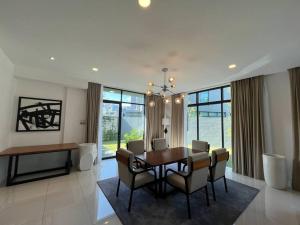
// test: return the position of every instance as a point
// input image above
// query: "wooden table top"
(168, 156)
(28, 150)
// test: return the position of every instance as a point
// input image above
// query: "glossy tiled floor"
(77, 200)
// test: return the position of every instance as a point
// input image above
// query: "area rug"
(172, 210)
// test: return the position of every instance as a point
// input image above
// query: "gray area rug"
(172, 210)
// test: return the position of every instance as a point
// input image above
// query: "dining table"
(159, 158)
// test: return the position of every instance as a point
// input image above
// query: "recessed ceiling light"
(52, 58)
(95, 69)
(144, 3)
(232, 66)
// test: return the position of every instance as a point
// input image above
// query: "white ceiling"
(196, 39)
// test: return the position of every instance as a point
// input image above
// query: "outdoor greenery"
(110, 145)
(132, 135)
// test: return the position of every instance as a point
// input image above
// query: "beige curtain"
(93, 108)
(177, 123)
(154, 116)
(295, 94)
(247, 126)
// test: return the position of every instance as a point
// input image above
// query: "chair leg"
(207, 198)
(179, 166)
(130, 200)
(118, 188)
(165, 187)
(225, 184)
(188, 205)
(213, 189)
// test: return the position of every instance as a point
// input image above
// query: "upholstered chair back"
(200, 145)
(136, 147)
(159, 144)
(198, 165)
(125, 162)
(219, 161)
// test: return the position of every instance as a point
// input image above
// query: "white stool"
(275, 170)
(87, 155)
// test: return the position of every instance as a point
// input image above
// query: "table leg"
(16, 166)
(8, 178)
(69, 161)
(160, 191)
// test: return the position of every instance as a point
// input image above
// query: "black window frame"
(222, 101)
(120, 113)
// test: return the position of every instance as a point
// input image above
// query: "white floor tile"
(77, 200)
(29, 212)
(75, 214)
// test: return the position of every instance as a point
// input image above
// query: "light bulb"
(149, 92)
(173, 85)
(152, 103)
(167, 101)
(162, 94)
(150, 83)
(144, 3)
(182, 95)
(171, 79)
(178, 100)
(232, 66)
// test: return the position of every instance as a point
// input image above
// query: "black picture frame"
(38, 114)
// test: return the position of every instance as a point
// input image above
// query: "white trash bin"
(87, 155)
(275, 170)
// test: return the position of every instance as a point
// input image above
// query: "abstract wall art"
(35, 114)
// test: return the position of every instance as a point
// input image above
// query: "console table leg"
(8, 178)
(69, 161)
(16, 166)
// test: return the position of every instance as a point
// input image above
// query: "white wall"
(72, 124)
(37, 89)
(6, 89)
(278, 117)
(75, 121)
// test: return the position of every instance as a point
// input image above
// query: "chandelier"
(165, 90)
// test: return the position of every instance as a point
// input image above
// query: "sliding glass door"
(209, 118)
(110, 128)
(123, 119)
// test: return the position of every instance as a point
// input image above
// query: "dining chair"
(193, 180)
(159, 144)
(201, 146)
(131, 176)
(137, 148)
(218, 168)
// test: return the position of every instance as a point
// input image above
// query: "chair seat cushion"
(143, 178)
(177, 181)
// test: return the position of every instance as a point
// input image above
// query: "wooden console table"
(15, 152)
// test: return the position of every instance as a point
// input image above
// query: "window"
(209, 124)
(123, 119)
(192, 98)
(112, 94)
(191, 125)
(133, 97)
(209, 118)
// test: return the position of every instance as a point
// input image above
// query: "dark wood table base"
(165, 157)
(12, 172)
(14, 154)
